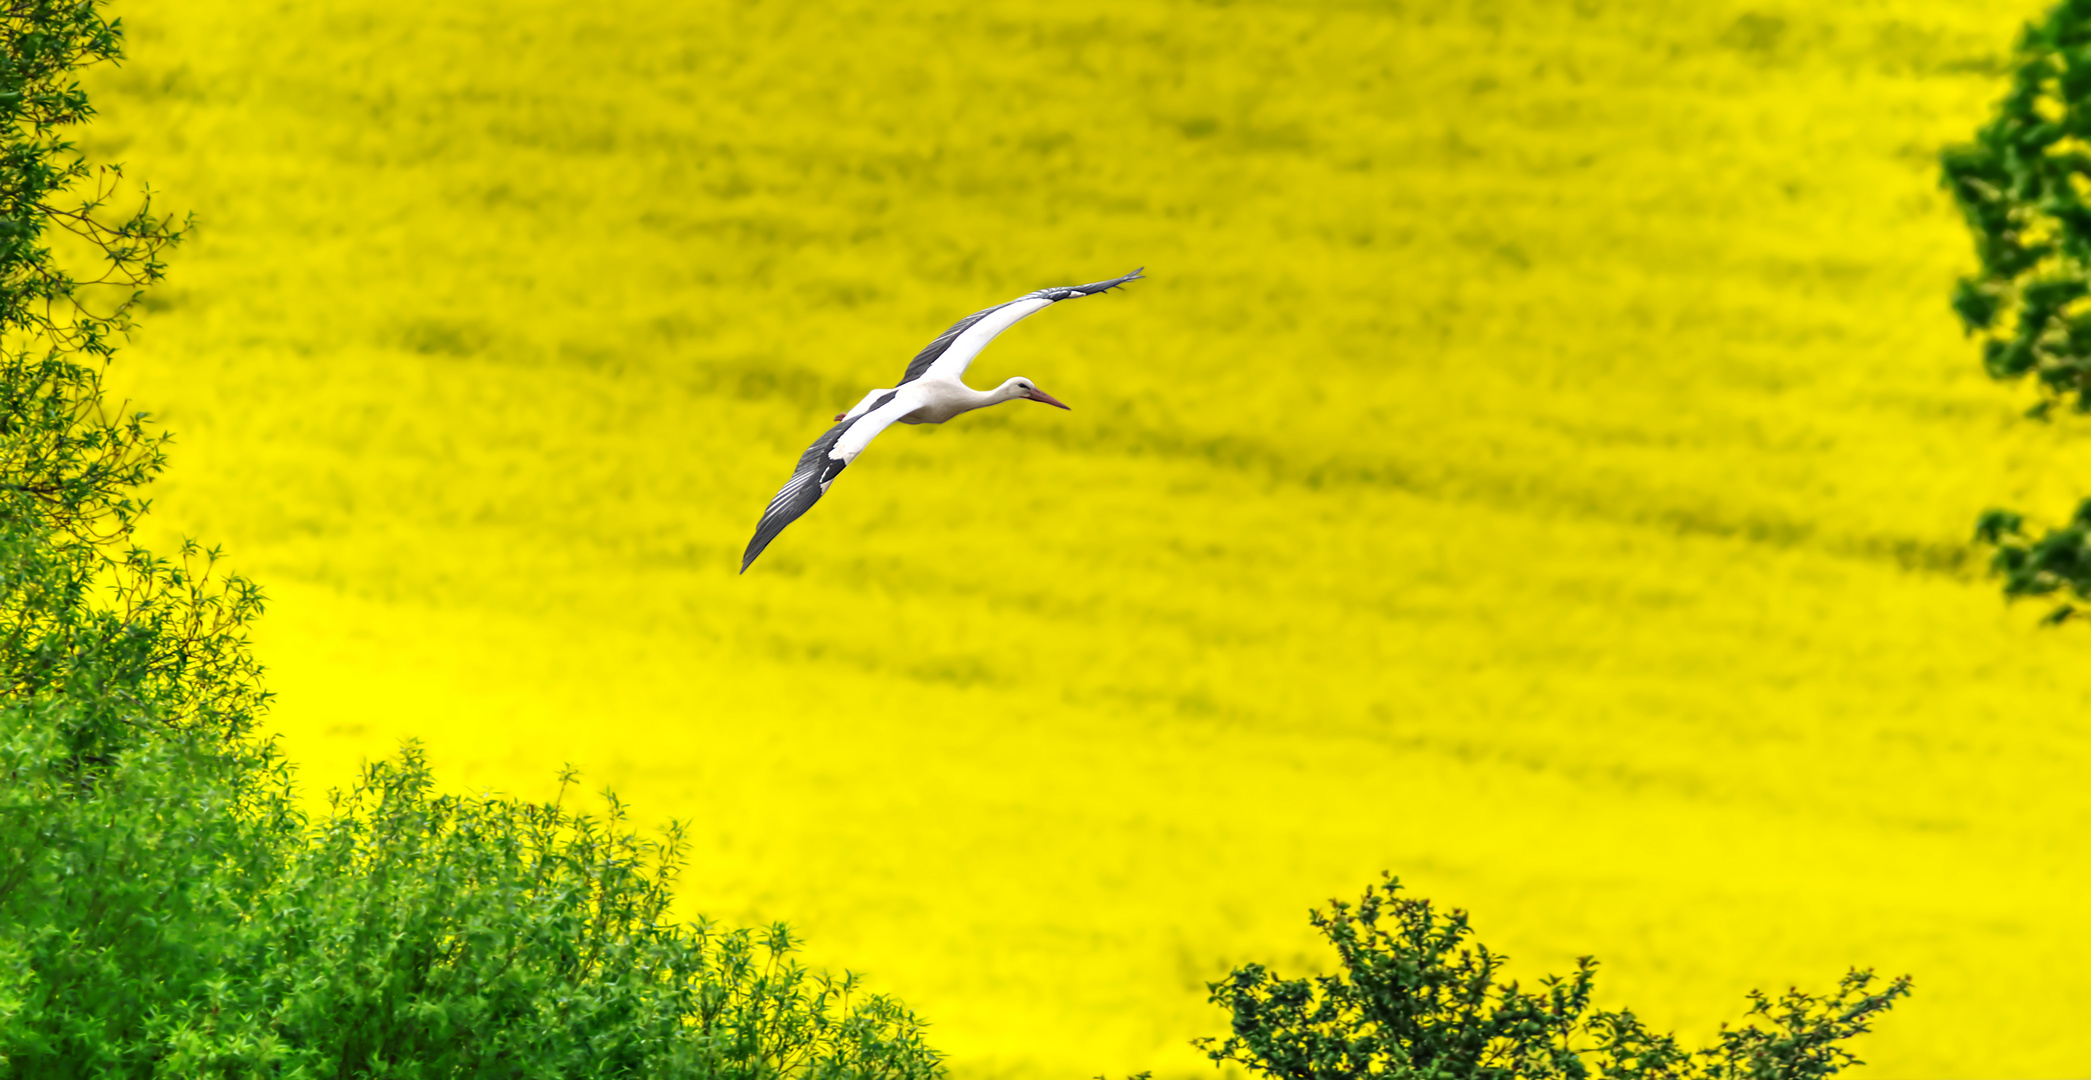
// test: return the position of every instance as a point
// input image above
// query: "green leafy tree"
(165, 908)
(2024, 186)
(129, 690)
(1415, 997)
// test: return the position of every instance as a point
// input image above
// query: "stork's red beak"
(1036, 394)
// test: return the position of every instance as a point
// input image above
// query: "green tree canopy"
(2024, 185)
(1416, 998)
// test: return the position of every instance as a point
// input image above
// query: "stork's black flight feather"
(809, 481)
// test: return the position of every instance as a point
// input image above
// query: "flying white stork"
(930, 392)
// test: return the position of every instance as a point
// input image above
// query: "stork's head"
(1021, 387)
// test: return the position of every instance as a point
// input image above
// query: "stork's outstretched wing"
(822, 463)
(955, 348)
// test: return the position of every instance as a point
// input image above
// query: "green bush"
(1415, 998)
(441, 936)
(165, 908)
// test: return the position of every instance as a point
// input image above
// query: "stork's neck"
(1010, 390)
(943, 399)
(969, 399)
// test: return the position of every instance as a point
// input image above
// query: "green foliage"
(2055, 561)
(2024, 185)
(1415, 998)
(133, 806)
(165, 909)
(423, 935)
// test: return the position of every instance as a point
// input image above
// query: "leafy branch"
(1415, 998)
(2024, 187)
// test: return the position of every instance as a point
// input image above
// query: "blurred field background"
(1540, 464)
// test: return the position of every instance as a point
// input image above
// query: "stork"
(931, 391)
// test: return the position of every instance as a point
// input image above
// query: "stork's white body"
(943, 399)
(933, 399)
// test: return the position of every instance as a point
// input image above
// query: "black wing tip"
(1114, 283)
(1119, 282)
(766, 530)
(761, 543)
(812, 486)
(1070, 292)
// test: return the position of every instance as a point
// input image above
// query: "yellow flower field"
(1540, 463)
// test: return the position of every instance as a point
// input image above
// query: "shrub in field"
(154, 924)
(165, 908)
(2024, 186)
(437, 936)
(1415, 997)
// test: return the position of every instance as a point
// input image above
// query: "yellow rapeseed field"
(1540, 464)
